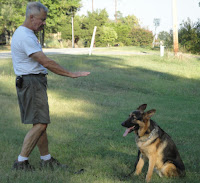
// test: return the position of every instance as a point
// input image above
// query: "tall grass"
(86, 115)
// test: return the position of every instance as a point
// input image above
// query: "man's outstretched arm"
(54, 67)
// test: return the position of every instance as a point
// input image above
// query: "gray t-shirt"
(24, 43)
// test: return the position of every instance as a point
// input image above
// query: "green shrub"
(141, 37)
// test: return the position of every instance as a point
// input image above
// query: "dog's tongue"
(127, 131)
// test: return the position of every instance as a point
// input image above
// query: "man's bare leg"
(32, 138)
(43, 144)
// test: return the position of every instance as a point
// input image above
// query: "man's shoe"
(52, 164)
(24, 165)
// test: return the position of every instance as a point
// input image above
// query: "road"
(72, 51)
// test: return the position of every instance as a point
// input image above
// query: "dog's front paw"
(148, 178)
(137, 173)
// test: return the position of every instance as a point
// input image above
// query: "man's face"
(39, 20)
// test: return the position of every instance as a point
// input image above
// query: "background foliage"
(189, 36)
(125, 32)
(59, 20)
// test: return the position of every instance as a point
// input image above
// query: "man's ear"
(31, 17)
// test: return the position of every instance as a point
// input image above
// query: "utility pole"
(175, 27)
(92, 6)
(116, 11)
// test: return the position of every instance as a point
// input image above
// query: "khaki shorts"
(33, 100)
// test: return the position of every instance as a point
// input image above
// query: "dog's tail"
(181, 172)
(180, 167)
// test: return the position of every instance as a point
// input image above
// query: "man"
(30, 65)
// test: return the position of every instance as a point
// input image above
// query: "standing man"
(30, 65)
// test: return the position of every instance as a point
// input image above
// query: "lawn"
(86, 115)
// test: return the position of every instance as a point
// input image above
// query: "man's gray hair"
(34, 8)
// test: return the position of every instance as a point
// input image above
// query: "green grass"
(86, 115)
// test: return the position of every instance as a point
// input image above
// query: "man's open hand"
(79, 74)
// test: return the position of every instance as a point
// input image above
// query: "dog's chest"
(145, 141)
(146, 147)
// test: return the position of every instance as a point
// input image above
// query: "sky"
(147, 10)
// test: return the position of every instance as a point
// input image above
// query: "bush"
(80, 43)
(141, 37)
(52, 43)
(166, 38)
(122, 31)
(107, 37)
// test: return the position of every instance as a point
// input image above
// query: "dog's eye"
(134, 118)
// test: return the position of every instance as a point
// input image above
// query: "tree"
(12, 14)
(189, 36)
(131, 20)
(60, 11)
(97, 18)
(123, 32)
(124, 27)
(66, 29)
(166, 38)
(107, 37)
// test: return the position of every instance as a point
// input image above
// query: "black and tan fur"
(154, 144)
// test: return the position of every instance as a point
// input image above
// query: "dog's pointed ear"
(142, 107)
(149, 114)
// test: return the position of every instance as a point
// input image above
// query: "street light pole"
(71, 12)
(175, 27)
(72, 31)
(156, 22)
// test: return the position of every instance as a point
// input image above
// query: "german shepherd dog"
(154, 144)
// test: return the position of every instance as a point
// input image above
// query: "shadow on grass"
(86, 114)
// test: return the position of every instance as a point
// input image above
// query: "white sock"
(46, 157)
(21, 158)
